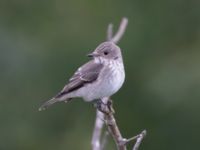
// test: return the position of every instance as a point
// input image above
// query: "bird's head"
(107, 50)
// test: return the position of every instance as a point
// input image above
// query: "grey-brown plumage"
(102, 76)
(87, 74)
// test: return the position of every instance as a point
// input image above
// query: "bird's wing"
(87, 73)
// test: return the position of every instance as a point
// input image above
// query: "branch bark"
(98, 127)
(139, 139)
(120, 31)
(112, 126)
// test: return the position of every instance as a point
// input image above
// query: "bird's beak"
(93, 54)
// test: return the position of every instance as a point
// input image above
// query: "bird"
(102, 76)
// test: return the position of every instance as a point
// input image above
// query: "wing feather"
(87, 73)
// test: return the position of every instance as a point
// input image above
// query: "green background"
(43, 42)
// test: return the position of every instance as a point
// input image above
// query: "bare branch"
(120, 31)
(99, 123)
(96, 138)
(97, 132)
(107, 110)
(105, 114)
(104, 140)
(139, 140)
(110, 32)
(110, 121)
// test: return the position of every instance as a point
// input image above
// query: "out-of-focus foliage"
(43, 42)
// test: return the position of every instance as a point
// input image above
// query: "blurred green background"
(40, 42)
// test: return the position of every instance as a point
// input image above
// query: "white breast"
(109, 82)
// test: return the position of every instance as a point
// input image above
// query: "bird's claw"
(104, 108)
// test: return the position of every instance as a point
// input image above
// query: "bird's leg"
(104, 108)
(101, 106)
(110, 106)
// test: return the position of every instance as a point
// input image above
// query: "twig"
(104, 140)
(139, 140)
(120, 31)
(110, 121)
(110, 32)
(96, 143)
(113, 128)
(99, 123)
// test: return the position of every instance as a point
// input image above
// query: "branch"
(120, 31)
(110, 121)
(104, 140)
(139, 139)
(99, 123)
(105, 113)
(96, 138)
(108, 111)
(97, 131)
(110, 32)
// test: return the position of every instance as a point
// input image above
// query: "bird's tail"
(48, 103)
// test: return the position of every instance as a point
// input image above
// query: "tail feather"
(48, 103)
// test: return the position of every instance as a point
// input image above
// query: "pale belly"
(106, 85)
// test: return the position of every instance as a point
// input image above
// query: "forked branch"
(119, 33)
(105, 114)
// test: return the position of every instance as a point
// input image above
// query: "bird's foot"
(110, 106)
(104, 108)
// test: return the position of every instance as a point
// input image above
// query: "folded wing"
(86, 74)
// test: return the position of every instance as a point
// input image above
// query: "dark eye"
(105, 53)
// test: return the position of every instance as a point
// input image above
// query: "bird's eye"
(105, 53)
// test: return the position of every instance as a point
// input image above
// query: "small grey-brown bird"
(101, 77)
